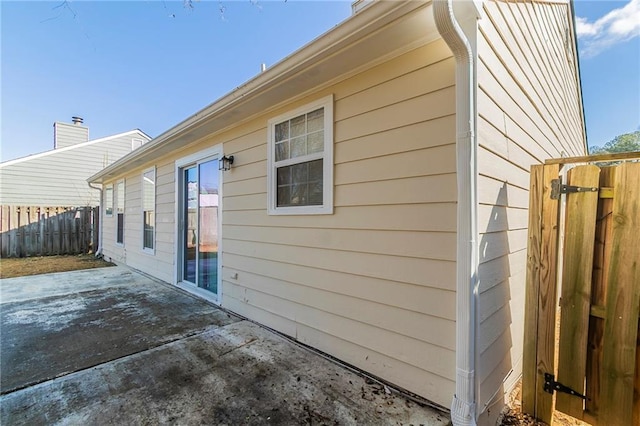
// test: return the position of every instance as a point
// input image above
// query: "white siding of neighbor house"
(529, 110)
(372, 284)
(59, 177)
(65, 134)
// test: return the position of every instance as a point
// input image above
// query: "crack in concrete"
(37, 383)
(248, 342)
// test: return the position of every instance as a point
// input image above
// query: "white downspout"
(100, 224)
(463, 406)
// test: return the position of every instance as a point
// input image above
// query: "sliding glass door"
(199, 224)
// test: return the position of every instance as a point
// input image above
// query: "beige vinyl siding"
(374, 283)
(59, 177)
(160, 263)
(529, 110)
(111, 250)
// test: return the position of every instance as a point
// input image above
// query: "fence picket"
(13, 233)
(581, 209)
(623, 297)
(601, 259)
(4, 225)
(541, 274)
(531, 297)
(35, 230)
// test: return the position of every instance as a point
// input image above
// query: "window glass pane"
(148, 190)
(108, 201)
(300, 173)
(282, 151)
(300, 184)
(315, 120)
(299, 194)
(284, 195)
(282, 131)
(190, 221)
(284, 175)
(298, 126)
(120, 197)
(298, 147)
(315, 193)
(120, 212)
(120, 228)
(315, 171)
(315, 142)
(149, 221)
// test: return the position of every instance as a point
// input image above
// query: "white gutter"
(463, 406)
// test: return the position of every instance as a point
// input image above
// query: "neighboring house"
(59, 177)
(376, 206)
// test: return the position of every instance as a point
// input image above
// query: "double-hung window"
(120, 212)
(108, 201)
(300, 160)
(148, 209)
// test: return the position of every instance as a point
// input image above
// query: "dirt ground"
(515, 417)
(20, 267)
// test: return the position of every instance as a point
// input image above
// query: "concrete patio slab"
(73, 326)
(147, 353)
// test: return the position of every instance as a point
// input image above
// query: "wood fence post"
(4, 231)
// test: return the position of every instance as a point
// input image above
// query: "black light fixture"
(225, 163)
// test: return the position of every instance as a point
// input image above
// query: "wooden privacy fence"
(594, 370)
(43, 231)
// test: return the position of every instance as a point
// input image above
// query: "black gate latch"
(558, 188)
(551, 385)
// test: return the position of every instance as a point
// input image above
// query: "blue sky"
(151, 64)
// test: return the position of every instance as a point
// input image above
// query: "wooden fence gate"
(584, 235)
(41, 231)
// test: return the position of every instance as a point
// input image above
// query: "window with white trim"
(108, 201)
(148, 209)
(120, 212)
(300, 160)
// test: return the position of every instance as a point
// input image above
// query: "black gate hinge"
(557, 188)
(550, 385)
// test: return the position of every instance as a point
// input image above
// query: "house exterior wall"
(529, 110)
(373, 283)
(59, 177)
(160, 263)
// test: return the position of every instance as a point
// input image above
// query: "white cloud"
(617, 26)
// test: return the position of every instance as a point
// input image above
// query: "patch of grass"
(23, 266)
